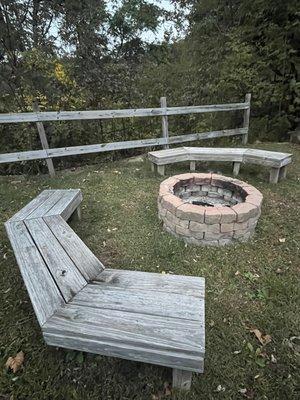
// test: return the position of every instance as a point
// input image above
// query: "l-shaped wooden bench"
(276, 161)
(148, 317)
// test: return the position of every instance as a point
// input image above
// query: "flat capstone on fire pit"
(209, 209)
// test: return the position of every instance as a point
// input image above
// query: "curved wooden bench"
(79, 305)
(276, 161)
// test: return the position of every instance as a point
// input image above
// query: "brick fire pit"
(209, 209)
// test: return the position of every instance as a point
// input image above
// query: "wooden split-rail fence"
(48, 154)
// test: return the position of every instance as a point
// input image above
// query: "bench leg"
(161, 170)
(274, 175)
(153, 167)
(182, 379)
(76, 216)
(236, 168)
(282, 173)
(192, 166)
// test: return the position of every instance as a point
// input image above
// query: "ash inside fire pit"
(207, 195)
(209, 209)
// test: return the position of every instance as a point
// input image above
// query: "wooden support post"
(44, 141)
(246, 118)
(182, 379)
(161, 170)
(192, 166)
(76, 216)
(236, 168)
(165, 124)
(152, 166)
(274, 175)
(282, 172)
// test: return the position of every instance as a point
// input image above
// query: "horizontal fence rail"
(47, 153)
(43, 116)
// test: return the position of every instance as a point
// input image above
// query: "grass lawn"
(249, 284)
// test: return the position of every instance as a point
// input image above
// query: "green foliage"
(93, 55)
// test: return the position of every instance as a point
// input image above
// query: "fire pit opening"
(209, 209)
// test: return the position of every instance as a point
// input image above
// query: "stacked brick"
(203, 225)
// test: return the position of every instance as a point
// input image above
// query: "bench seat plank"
(65, 273)
(267, 158)
(31, 206)
(40, 211)
(271, 159)
(43, 292)
(172, 342)
(66, 205)
(142, 301)
(87, 263)
(150, 281)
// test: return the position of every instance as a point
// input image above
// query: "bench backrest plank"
(64, 272)
(43, 292)
(87, 263)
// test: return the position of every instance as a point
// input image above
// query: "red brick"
(171, 202)
(227, 227)
(170, 182)
(163, 191)
(212, 215)
(228, 215)
(191, 212)
(245, 211)
(254, 199)
(184, 178)
(202, 179)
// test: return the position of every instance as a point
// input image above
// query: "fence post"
(165, 125)
(246, 118)
(44, 141)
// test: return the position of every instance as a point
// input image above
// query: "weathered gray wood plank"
(23, 156)
(236, 155)
(106, 114)
(46, 205)
(145, 302)
(246, 119)
(150, 281)
(87, 263)
(44, 141)
(165, 124)
(103, 147)
(66, 205)
(43, 292)
(66, 275)
(182, 379)
(159, 340)
(32, 205)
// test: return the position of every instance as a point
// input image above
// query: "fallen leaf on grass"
(15, 363)
(248, 393)
(281, 240)
(273, 359)
(167, 389)
(263, 339)
(293, 343)
(166, 392)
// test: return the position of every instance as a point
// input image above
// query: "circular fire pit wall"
(209, 209)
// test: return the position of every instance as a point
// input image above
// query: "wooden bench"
(147, 317)
(276, 161)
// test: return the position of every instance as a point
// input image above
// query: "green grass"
(120, 225)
